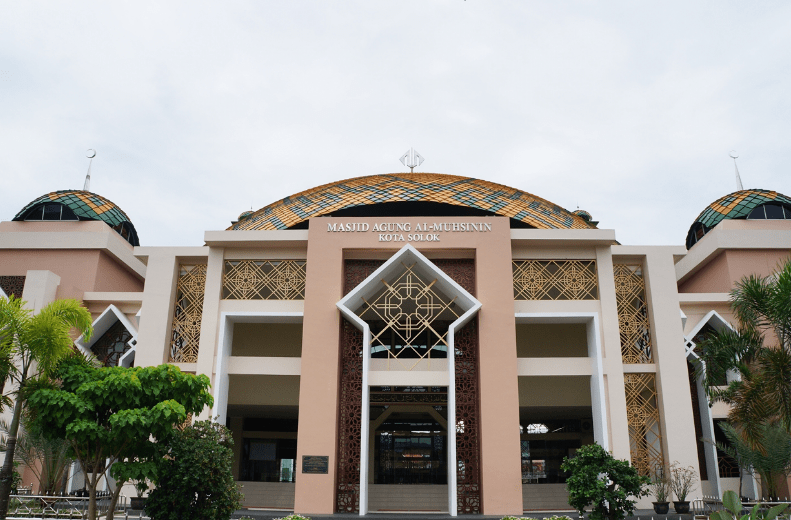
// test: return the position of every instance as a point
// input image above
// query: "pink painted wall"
(721, 273)
(111, 276)
(80, 270)
(501, 465)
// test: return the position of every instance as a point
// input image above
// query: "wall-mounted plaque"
(315, 464)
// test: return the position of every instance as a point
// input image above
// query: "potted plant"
(660, 485)
(681, 480)
(139, 502)
(138, 472)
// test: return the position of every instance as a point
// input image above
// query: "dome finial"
(90, 155)
(411, 159)
(739, 186)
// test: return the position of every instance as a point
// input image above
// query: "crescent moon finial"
(733, 155)
(91, 153)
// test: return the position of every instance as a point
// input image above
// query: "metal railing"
(704, 507)
(47, 506)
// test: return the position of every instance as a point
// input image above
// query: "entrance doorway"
(408, 457)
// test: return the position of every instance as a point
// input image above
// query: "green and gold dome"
(743, 204)
(412, 194)
(79, 205)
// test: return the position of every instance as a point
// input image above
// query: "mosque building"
(415, 341)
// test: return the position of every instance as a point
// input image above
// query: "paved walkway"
(642, 514)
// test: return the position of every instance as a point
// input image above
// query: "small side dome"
(78, 205)
(743, 204)
(583, 214)
(244, 215)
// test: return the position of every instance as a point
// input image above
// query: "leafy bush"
(602, 482)
(193, 475)
(555, 517)
(733, 508)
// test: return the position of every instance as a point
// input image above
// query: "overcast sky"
(199, 111)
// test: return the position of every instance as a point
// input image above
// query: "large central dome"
(412, 194)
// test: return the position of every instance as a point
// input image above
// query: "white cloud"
(199, 110)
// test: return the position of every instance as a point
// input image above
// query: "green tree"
(759, 351)
(602, 482)
(31, 347)
(194, 478)
(111, 414)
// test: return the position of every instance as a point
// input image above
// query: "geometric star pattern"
(12, 285)
(409, 306)
(112, 345)
(187, 314)
(642, 413)
(466, 384)
(264, 280)
(555, 280)
(632, 314)
(412, 187)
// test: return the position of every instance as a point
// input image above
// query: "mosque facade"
(415, 342)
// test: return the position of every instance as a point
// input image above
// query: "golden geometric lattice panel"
(642, 413)
(633, 314)
(187, 315)
(264, 280)
(555, 280)
(408, 310)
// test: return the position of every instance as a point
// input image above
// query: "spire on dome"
(739, 186)
(91, 155)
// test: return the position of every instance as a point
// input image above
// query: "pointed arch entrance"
(410, 326)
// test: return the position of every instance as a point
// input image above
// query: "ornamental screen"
(632, 314)
(555, 280)
(12, 285)
(642, 414)
(409, 321)
(112, 345)
(187, 314)
(264, 280)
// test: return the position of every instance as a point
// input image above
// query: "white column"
(209, 320)
(598, 401)
(41, 288)
(707, 429)
(221, 379)
(365, 421)
(451, 429)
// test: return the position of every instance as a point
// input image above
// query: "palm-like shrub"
(48, 459)
(771, 460)
(31, 347)
(759, 351)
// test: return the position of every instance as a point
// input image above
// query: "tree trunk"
(92, 495)
(114, 500)
(8, 464)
